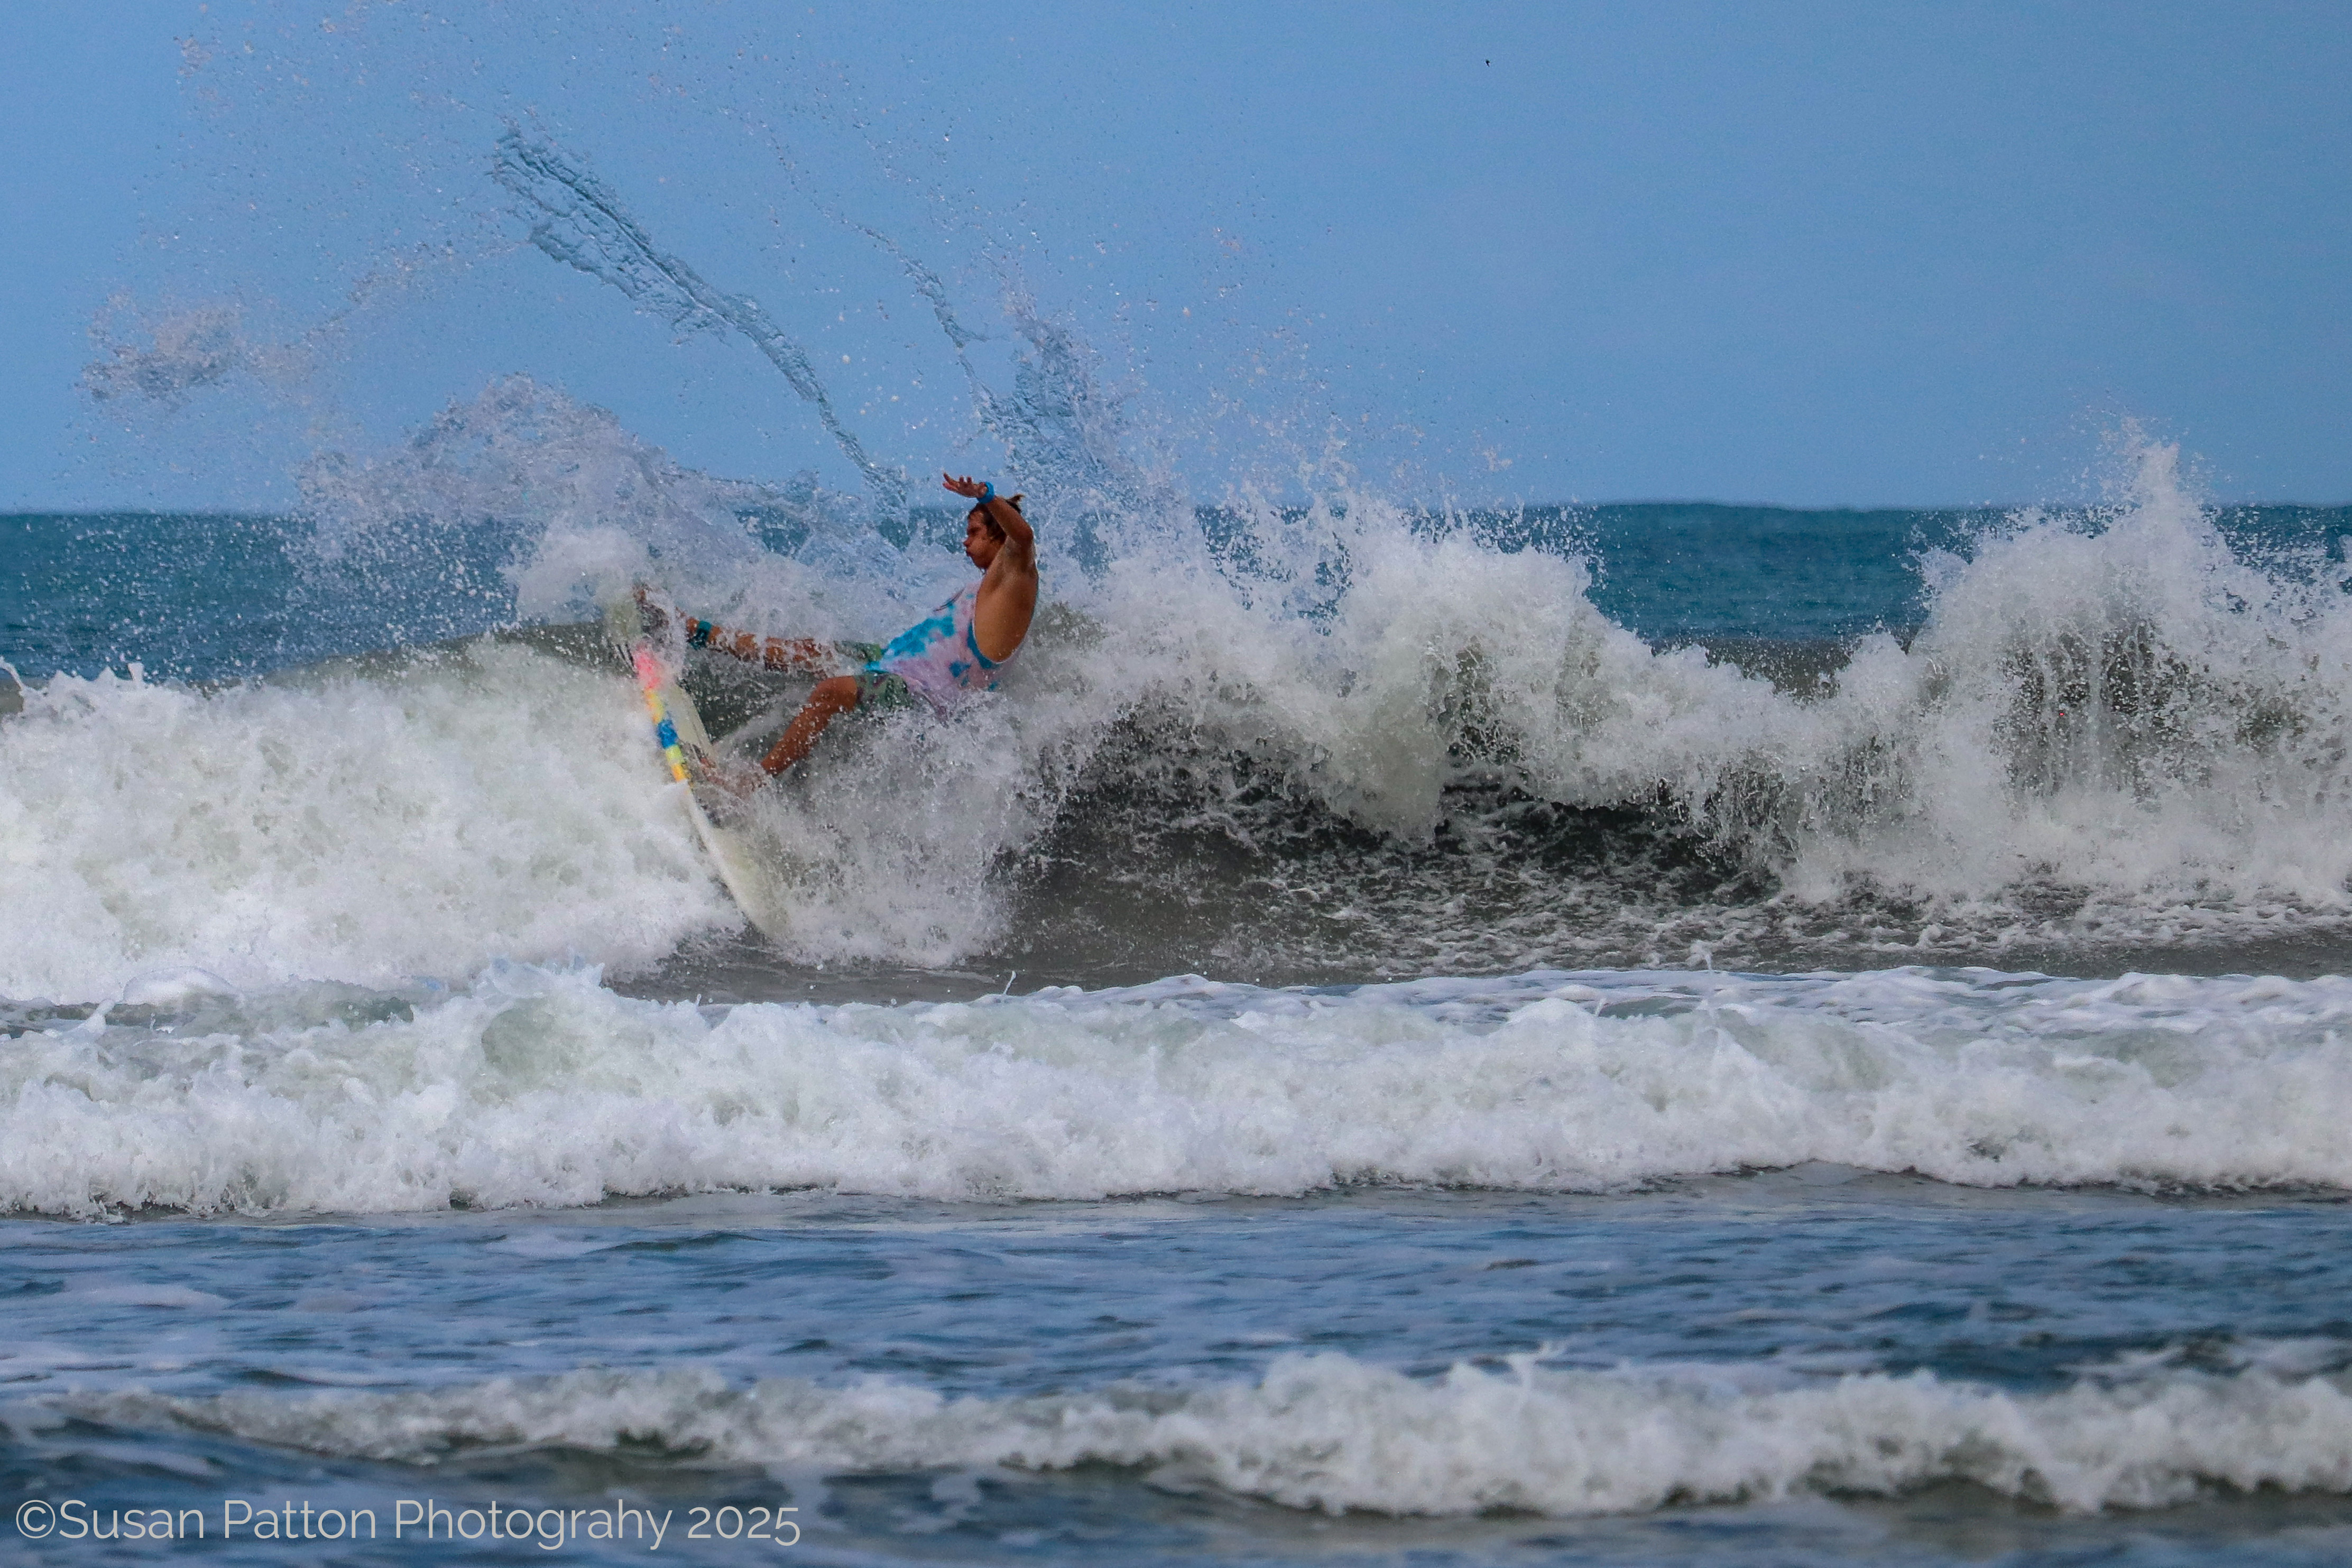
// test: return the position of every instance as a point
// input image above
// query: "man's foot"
(727, 785)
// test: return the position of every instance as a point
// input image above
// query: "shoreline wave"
(1327, 1433)
(543, 1087)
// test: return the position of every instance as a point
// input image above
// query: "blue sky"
(1815, 255)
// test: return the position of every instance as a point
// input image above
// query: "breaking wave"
(1328, 1432)
(1338, 737)
(1348, 741)
(539, 1086)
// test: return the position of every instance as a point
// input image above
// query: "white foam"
(2124, 706)
(1330, 1433)
(542, 1087)
(2124, 710)
(500, 803)
(2128, 712)
(167, 987)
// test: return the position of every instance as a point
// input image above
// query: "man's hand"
(653, 619)
(1004, 511)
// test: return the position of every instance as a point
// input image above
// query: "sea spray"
(1370, 739)
(579, 220)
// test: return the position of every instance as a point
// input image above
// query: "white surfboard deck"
(756, 886)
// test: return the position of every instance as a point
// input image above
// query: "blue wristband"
(987, 491)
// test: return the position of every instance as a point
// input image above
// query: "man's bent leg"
(830, 699)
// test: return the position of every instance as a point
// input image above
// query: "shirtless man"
(956, 650)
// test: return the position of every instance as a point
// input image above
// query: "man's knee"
(838, 692)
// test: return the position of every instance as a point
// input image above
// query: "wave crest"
(1329, 1433)
(542, 1087)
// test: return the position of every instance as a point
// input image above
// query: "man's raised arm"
(1001, 512)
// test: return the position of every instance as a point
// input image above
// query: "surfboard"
(685, 750)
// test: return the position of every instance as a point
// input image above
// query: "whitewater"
(1402, 1032)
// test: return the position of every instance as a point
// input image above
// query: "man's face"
(980, 540)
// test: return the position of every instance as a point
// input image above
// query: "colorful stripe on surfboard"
(649, 680)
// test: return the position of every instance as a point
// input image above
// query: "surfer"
(957, 649)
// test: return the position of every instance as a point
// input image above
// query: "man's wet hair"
(981, 509)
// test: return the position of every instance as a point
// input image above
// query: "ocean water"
(1634, 1034)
